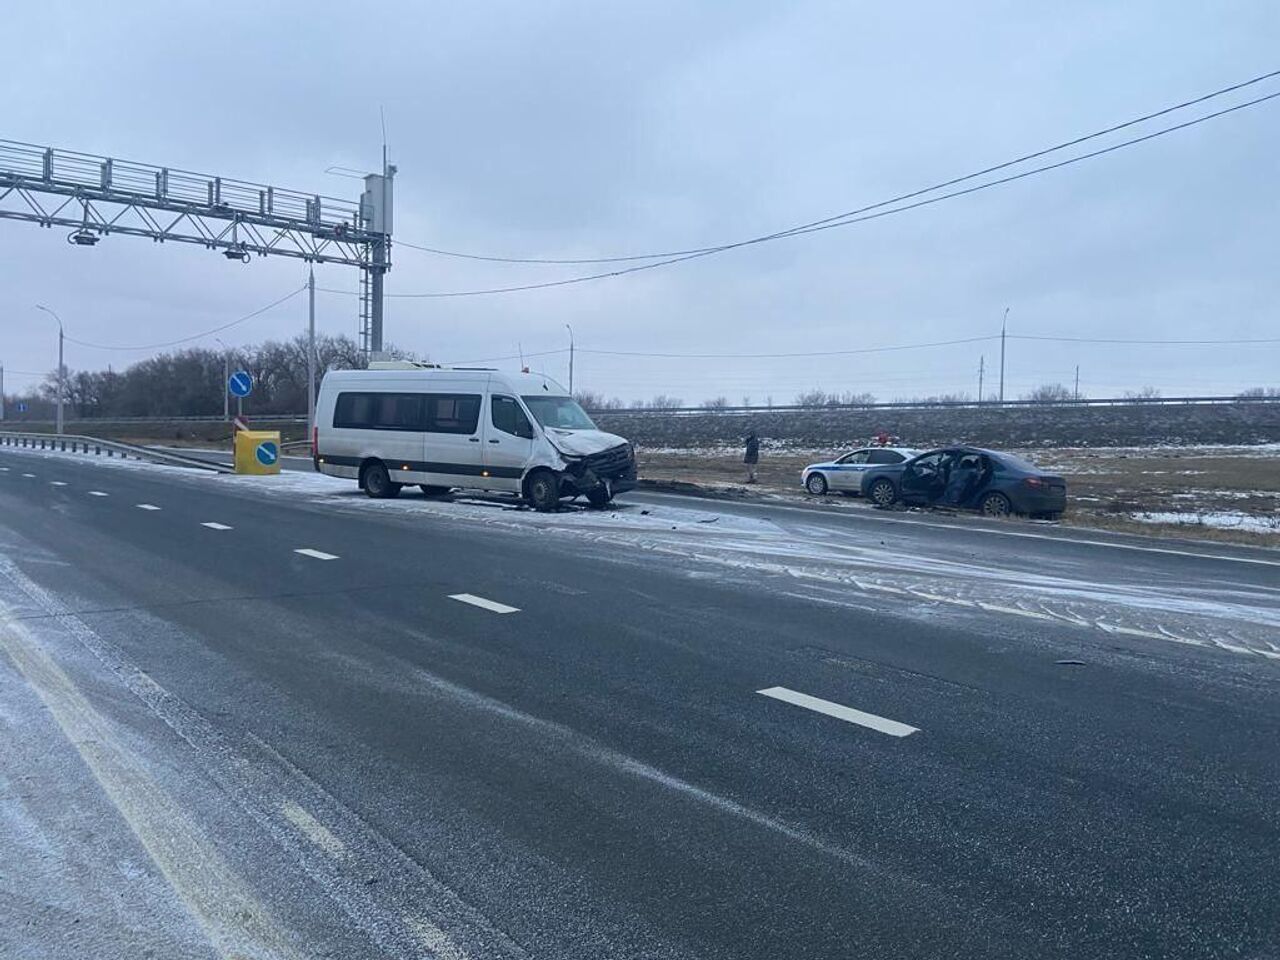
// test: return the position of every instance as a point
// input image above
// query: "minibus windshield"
(562, 412)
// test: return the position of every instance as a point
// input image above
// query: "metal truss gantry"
(98, 196)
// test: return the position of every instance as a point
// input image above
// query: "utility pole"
(570, 329)
(982, 362)
(1003, 324)
(226, 381)
(311, 348)
(1, 391)
(1076, 395)
(62, 370)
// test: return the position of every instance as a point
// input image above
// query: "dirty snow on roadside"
(1220, 519)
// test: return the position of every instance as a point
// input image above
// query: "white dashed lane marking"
(147, 506)
(892, 727)
(28, 474)
(57, 483)
(482, 603)
(215, 526)
(316, 554)
(98, 493)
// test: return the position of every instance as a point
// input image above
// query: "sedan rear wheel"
(882, 493)
(995, 505)
(816, 484)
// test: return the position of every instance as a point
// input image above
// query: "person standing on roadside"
(752, 455)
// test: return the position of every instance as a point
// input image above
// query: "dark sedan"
(993, 483)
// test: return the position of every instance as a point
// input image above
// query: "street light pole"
(311, 348)
(570, 329)
(62, 372)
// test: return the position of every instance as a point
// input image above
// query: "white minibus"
(403, 422)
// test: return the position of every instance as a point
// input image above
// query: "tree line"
(192, 382)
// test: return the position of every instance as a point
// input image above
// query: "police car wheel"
(816, 484)
(882, 493)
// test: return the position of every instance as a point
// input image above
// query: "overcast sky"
(596, 129)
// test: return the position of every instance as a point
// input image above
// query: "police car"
(844, 474)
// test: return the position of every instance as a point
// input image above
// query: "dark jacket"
(753, 450)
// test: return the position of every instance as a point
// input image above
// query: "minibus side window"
(378, 411)
(509, 418)
(452, 412)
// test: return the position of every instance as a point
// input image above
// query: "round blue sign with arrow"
(267, 453)
(240, 383)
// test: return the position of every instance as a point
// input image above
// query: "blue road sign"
(22, 406)
(267, 453)
(240, 383)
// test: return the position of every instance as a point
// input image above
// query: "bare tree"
(1259, 393)
(1146, 393)
(664, 402)
(715, 403)
(812, 398)
(1049, 393)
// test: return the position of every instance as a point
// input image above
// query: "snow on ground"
(1222, 519)
(824, 561)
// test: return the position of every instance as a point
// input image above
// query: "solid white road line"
(215, 526)
(57, 483)
(147, 506)
(484, 604)
(892, 727)
(317, 554)
(98, 493)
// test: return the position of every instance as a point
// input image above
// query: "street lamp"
(62, 374)
(570, 329)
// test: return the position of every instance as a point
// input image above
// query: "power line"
(1014, 336)
(194, 336)
(835, 222)
(514, 356)
(891, 348)
(804, 227)
(785, 356)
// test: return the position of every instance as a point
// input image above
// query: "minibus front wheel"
(377, 482)
(543, 491)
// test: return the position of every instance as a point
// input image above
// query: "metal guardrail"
(96, 446)
(945, 405)
(777, 408)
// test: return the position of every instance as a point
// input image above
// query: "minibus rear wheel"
(377, 482)
(544, 491)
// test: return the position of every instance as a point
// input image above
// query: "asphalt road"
(275, 719)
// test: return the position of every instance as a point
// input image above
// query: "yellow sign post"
(258, 451)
